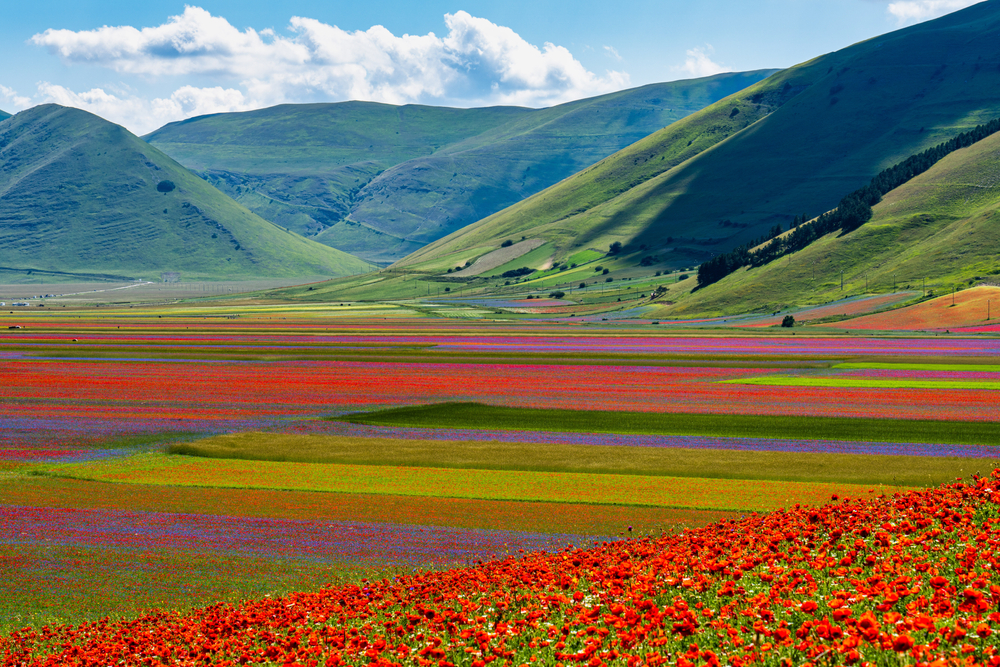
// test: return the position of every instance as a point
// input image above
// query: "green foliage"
(788, 321)
(165, 186)
(557, 294)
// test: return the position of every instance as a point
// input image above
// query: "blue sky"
(143, 64)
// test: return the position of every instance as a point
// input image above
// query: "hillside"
(4, 115)
(382, 181)
(941, 229)
(80, 195)
(794, 143)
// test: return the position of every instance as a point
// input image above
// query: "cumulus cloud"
(143, 115)
(913, 11)
(475, 63)
(699, 62)
(11, 101)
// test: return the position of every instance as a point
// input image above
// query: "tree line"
(854, 210)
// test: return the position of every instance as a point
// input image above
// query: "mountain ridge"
(398, 198)
(81, 195)
(838, 119)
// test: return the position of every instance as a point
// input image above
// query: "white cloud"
(698, 63)
(11, 101)
(613, 52)
(912, 11)
(144, 115)
(476, 63)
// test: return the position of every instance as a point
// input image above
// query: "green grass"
(593, 459)
(4, 115)
(97, 210)
(867, 383)
(476, 415)
(794, 143)
(503, 485)
(901, 366)
(938, 229)
(385, 180)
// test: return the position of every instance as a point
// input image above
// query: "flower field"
(125, 538)
(910, 578)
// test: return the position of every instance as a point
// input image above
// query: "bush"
(598, 268)
(582, 285)
(517, 273)
(615, 248)
(557, 294)
(648, 260)
(165, 186)
(608, 280)
(605, 272)
(506, 244)
(788, 322)
(683, 276)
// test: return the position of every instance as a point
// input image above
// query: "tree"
(788, 322)
(615, 248)
(165, 186)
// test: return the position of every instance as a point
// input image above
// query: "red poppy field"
(122, 542)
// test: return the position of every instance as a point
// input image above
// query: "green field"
(475, 415)
(592, 459)
(506, 485)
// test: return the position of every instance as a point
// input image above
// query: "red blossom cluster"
(909, 579)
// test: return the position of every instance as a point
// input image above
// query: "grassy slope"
(383, 181)
(941, 226)
(4, 115)
(837, 120)
(79, 194)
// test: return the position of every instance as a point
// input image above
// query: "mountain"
(80, 195)
(4, 115)
(792, 144)
(382, 181)
(940, 229)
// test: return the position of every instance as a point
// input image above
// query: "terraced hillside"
(82, 196)
(792, 144)
(382, 181)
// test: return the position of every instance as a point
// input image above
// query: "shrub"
(615, 248)
(516, 273)
(683, 276)
(557, 294)
(582, 285)
(165, 186)
(788, 322)
(605, 272)
(608, 280)
(506, 244)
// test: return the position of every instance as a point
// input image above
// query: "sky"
(145, 64)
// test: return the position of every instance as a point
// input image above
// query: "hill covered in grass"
(792, 144)
(382, 181)
(4, 115)
(939, 229)
(82, 196)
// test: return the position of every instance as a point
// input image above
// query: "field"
(273, 484)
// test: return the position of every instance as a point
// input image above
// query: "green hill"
(81, 195)
(942, 226)
(4, 115)
(382, 181)
(794, 143)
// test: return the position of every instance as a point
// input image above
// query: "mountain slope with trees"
(938, 231)
(788, 146)
(80, 195)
